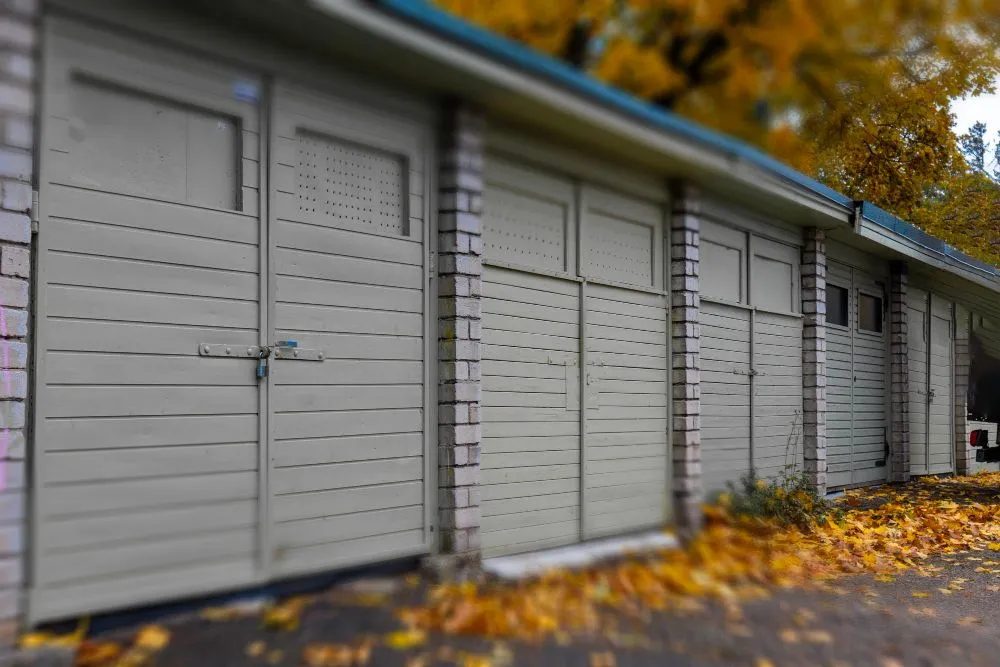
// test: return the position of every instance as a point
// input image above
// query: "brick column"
(19, 38)
(814, 357)
(685, 238)
(460, 270)
(899, 360)
(964, 455)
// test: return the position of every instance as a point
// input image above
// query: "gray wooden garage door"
(931, 341)
(530, 459)
(626, 467)
(550, 475)
(347, 484)
(751, 357)
(155, 474)
(856, 378)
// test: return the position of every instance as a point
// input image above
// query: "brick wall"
(814, 357)
(964, 455)
(19, 39)
(460, 271)
(899, 388)
(685, 238)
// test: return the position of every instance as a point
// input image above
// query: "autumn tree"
(855, 92)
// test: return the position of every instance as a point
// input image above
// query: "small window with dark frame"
(836, 305)
(869, 313)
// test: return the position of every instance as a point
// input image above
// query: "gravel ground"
(863, 621)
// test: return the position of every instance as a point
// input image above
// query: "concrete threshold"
(577, 556)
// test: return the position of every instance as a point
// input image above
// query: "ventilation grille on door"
(354, 185)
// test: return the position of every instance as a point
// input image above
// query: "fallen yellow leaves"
(284, 615)
(337, 655)
(605, 659)
(405, 639)
(732, 560)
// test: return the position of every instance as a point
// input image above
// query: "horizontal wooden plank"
(339, 243)
(122, 211)
(302, 264)
(524, 428)
(301, 479)
(630, 309)
(297, 317)
(505, 284)
(319, 292)
(81, 335)
(151, 524)
(657, 352)
(530, 518)
(605, 522)
(514, 506)
(321, 557)
(128, 432)
(509, 323)
(108, 241)
(139, 276)
(346, 448)
(120, 497)
(492, 460)
(534, 341)
(627, 322)
(504, 384)
(542, 377)
(303, 398)
(345, 501)
(534, 473)
(346, 371)
(617, 425)
(526, 489)
(618, 412)
(81, 565)
(493, 445)
(96, 466)
(328, 529)
(125, 369)
(563, 314)
(529, 538)
(627, 462)
(104, 401)
(349, 422)
(510, 399)
(101, 304)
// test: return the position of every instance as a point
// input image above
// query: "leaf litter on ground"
(883, 531)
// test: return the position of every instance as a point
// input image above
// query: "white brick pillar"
(899, 371)
(19, 39)
(685, 238)
(460, 271)
(814, 357)
(964, 455)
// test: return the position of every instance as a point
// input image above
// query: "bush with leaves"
(787, 500)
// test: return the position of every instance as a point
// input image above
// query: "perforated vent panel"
(619, 250)
(524, 229)
(354, 185)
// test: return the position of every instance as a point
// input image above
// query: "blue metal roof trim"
(419, 11)
(913, 233)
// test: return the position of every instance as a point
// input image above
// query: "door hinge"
(34, 211)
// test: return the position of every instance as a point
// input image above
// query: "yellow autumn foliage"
(854, 92)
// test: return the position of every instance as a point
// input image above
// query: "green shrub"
(787, 500)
